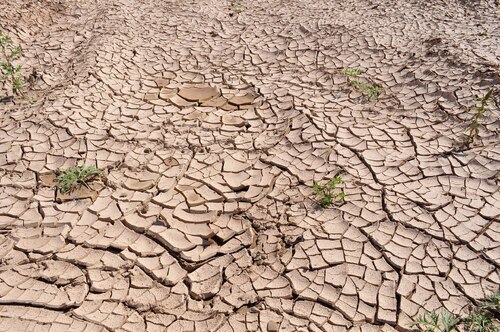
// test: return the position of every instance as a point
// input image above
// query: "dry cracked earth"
(211, 120)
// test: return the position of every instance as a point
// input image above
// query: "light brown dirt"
(211, 120)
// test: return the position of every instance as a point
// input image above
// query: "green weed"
(8, 71)
(370, 90)
(352, 72)
(491, 302)
(472, 130)
(236, 7)
(71, 178)
(480, 322)
(434, 322)
(483, 318)
(328, 193)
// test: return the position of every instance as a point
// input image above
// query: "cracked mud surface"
(211, 122)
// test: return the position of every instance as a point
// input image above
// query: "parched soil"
(211, 120)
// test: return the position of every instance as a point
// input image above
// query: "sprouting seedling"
(9, 72)
(472, 130)
(71, 178)
(352, 72)
(328, 193)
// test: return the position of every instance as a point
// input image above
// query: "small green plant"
(483, 318)
(368, 89)
(352, 72)
(472, 130)
(434, 322)
(491, 302)
(328, 193)
(480, 322)
(71, 178)
(372, 91)
(9, 72)
(237, 7)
